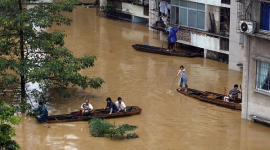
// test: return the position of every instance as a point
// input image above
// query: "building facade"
(253, 23)
(206, 25)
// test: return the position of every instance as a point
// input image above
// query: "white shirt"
(123, 106)
(182, 72)
(90, 107)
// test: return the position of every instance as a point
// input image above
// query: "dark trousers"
(170, 45)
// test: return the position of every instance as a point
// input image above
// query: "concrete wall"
(135, 10)
(214, 10)
(254, 102)
(236, 50)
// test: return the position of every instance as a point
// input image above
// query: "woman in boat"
(43, 113)
(111, 106)
(120, 104)
(172, 38)
(183, 78)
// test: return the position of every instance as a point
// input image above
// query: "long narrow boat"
(212, 97)
(163, 51)
(98, 113)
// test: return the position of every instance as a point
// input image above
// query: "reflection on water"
(169, 120)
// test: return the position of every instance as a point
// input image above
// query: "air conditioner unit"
(248, 27)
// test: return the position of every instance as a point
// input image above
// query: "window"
(265, 9)
(263, 76)
(189, 14)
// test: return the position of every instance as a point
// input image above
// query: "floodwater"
(169, 120)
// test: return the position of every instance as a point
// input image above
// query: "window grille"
(263, 76)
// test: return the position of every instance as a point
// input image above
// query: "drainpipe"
(247, 91)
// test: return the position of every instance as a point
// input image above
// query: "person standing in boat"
(233, 92)
(43, 113)
(112, 108)
(120, 105)
(183, 78)
(172, 38)
(86, 108)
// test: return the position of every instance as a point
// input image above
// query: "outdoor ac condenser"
(248, 27)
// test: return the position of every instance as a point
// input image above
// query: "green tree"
(7, 119)
(31, 55)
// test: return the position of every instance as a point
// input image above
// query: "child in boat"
(233, 92)
(183, 78)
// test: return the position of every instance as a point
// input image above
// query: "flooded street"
(169, 120)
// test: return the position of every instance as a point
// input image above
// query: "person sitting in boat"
(120, 105)
(43, 113)
(233, 92)
(86, 108)
(111, 106)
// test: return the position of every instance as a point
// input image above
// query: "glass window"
(175, 2)
(200, 6)
(192, 5)
(177, 15)
(183, 3)
(200, 20)
(263, 76)
(173, 15)
(189, 14)
(192, 18)
(183, 16)
(265, 9)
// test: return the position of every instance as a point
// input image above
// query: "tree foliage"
(101, 128)
(30, 54)
(7, 119)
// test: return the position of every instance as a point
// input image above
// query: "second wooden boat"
(163, 51)
(99, 113)
(212, 97)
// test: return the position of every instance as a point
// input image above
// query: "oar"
(173, 83)
(47, 125)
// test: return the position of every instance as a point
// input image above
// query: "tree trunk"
(23, 91)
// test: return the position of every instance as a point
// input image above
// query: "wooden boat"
(98, 113)
(163, 51)
(212, 97)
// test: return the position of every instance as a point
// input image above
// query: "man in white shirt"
(120, 105)
(86, 108)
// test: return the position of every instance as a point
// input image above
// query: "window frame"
(187, 8)
(258, 77)
(261, 18)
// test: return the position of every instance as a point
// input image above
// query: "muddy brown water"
(169, 120)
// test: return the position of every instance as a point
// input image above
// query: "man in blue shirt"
(232, 94)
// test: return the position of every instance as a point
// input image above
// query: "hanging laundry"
(164, 6)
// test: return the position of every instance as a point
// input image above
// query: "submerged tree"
(7, 119)
(30, 54)
(100, 128)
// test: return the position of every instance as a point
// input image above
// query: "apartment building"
(205, 25)
(129, 10)
(253, 24)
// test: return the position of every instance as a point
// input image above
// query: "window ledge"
(261, 92)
